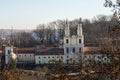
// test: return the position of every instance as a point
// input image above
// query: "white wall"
(26, 57)
(45, 59)
(8, 55)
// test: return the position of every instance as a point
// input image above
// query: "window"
(8, 51)
(102, 56)
(39, 62)
(52, 57)
(60, 60)
(80, 50)
(73, 50)
(79, 40)
(67, 41)
(67, 61)
(67, 56)
(74, 61)
(39, 57)
(105, 59)
(67, 50)
(44, 57)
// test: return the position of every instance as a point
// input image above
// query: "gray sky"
(27, 14)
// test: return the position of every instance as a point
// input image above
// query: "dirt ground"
(29, 77)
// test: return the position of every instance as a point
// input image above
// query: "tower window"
(67, 56)
(79, 40)
(80, 50)
(67, 50)
(8, 51)
(73, 50)
(67, 41)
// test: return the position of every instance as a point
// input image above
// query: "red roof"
(42, 50)
(24, 50)
(51, 51)
(88, 49)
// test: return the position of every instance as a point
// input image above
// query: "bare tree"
(23, 39)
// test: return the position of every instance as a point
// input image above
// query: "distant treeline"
(53, 32)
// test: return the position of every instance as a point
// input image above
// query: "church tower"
(9, 53)
(67, 29)
(79, 29)
(73, 44)
(80, 37)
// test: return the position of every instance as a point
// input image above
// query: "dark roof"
(24, 50)
(42, 51)
(93, 53)
(51, 51)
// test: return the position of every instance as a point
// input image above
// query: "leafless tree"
(23, 39)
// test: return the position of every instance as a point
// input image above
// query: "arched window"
(79, 41)
(73, 50)
(67, 50)
(9, 51)
(67, 41)
(80, 50)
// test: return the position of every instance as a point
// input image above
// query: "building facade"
(70, 53)
(49, 55)
(25, 55)
(94, 54)
(73, 44)
(9, 54)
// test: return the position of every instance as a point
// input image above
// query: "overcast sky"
(27, 14)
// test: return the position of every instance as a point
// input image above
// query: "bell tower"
(79, 30)
(73, 44)
(67, 29)
(8, 52)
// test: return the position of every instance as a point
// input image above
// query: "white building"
(49, 55)
(9, 54)
(94, 54)
(25, 55)
(70, 53)
(73, 44)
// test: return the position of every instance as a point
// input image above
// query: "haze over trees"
(92, 29)
(53, 32)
